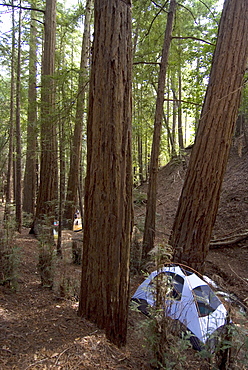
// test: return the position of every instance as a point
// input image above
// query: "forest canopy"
(193, 41)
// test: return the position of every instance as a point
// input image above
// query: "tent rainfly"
(190, 300)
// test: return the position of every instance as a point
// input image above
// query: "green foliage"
(9, 262)
(27, 219)
(169, 342)
(165, 338)
(196, 21)
(227, 348)
(67, 285)
(140, 198)
(161, 254)
(46, 264)
(9, 257)
(47, 252)
(4, 113)
(191, 52)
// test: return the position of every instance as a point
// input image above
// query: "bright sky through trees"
(5, 12)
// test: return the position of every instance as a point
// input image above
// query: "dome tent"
(188, 299)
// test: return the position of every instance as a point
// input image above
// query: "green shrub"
(9, 260)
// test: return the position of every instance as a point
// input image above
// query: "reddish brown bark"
(199, 200)
(108, 188)
(73, 177)
(47, 194)
(30, 177)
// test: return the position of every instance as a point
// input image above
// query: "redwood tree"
(73, 176)
(48, 168)
(30, 176)
(18, 177)
(9, 189)
(200, 196)
(108, 188)
(149, 232)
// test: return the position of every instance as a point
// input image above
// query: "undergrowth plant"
(166, 341)
(9, 256)
(240, 346)
(227, 349)
(170, 343)
(47, 254)
(45, 264)
(66, 283)
(164, 337)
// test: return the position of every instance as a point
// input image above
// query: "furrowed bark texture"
(29, 191)
(75, 157)
(108, 189)
(200, 196)
(48, 168)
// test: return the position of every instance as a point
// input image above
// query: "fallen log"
(228, 241)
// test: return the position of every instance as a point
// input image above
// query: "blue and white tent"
(190, 300)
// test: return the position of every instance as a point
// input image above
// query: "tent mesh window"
(206, 300)
(177, 282)
(173, 282)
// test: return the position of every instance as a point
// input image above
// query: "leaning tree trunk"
(149, 232)
(108, 188)
(200, 196)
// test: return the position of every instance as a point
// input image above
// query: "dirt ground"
(39, 327)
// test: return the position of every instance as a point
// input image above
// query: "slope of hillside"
(226, 264)
(233, 208)
(40, 328)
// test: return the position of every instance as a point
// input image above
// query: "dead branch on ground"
(228, 241)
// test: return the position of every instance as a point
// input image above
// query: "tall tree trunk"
(108, 188)
(171, 148)
(45, 210)
(9, 188)
(200, 196)
(170, 131)
(180, 123)
(197, 97)
(149, 232)
(62, 151)
(62, 180)
(18, 183)
(140, 156)
(29, 188)
(73, 177)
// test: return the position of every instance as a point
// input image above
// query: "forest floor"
(39, 327)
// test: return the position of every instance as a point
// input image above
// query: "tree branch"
(209, 10)
(156, 15)
(193, 38)
(24, 8)
(152, 63)
(188, 10)
(182, 101)
(159, 6)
